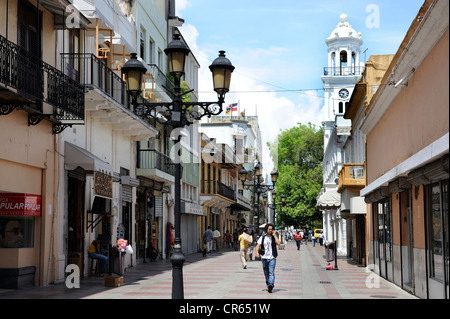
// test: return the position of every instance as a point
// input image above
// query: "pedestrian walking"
(208, 238)
(216, 237)
(298, 239)
(268, 253)
(227, 239)
(244, 243)
(321, 238)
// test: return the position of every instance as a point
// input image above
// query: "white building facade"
(340, 76)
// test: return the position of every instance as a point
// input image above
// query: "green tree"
(299, 153)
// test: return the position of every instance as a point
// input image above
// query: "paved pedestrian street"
(219, 275)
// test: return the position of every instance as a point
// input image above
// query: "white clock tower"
(343, 70)
(339, 79)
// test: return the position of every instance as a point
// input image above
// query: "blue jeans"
(269, 270)
(101, 258)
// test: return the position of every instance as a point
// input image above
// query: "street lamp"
(274, 206)
(258, 187)
(177, 114)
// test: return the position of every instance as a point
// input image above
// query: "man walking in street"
(244, 248)
(216, 235)
(208, 238)
(268, 254)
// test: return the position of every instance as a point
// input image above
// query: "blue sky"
(279, 50)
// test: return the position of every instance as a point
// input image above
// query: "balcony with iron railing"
(154, 164)
(34, 82)
(95, 73)
(209, 187)
(343, 71)
(352, 176)
(162, 80)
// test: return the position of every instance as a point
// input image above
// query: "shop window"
(16, 231)
(384, 235)
(438, 241)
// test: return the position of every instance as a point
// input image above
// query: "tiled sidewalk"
(298, 275)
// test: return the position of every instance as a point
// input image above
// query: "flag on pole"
(232, 108)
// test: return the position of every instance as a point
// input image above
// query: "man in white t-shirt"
(269, 242)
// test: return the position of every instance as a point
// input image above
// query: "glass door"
(438, 240)
(407, 247)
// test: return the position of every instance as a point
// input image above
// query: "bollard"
(335, 256)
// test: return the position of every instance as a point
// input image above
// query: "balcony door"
(73, 63)
(29, 71)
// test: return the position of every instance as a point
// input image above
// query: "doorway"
(407, 241)
(73, 62)
(75, 223)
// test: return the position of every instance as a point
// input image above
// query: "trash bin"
(116, 260)
(330, 252)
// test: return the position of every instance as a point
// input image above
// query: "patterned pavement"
(298, 275)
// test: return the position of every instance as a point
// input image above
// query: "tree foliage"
(299, 153)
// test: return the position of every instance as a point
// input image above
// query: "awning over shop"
(331, 199)
(75, 156)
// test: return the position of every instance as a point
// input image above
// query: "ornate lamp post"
(258, 187)
(274, 206)
(279, 206)
(177, 114)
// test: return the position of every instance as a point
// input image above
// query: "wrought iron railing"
(343, 70)
(93, 71)
(216, 188)
(152, 159)
(162, 80)
(40, 82)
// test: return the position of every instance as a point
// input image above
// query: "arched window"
(341, 108)
(343, 62)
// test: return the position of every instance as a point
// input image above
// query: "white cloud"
(250, 87)
(180, 5)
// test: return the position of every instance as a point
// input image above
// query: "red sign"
(18, 204)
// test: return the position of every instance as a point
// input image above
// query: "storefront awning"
(76, 156)
(331, 199)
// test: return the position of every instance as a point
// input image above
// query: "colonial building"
(352, 177)
(243, 135)
(37, 103)
(407, 137)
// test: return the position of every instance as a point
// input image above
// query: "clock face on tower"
(343, 94)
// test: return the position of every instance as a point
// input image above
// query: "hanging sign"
(18, 204)
(103, 184)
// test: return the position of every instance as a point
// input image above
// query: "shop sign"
(103, 184)
(19, 204)
(193, 208)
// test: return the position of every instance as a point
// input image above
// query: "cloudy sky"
(279, 50)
